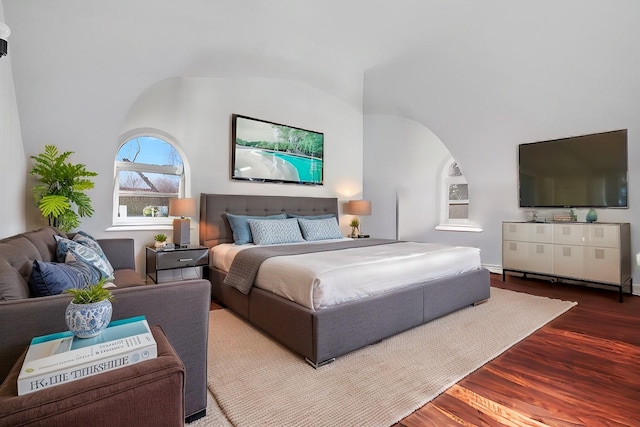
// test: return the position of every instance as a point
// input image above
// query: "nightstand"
(161, 259)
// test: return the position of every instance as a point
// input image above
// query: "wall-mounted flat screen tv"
(588, 171)
(263, 151)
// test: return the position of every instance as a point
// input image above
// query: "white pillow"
(275, 231)
(320, 229)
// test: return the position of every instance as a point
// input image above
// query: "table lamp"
(184, 208)
(359, 208)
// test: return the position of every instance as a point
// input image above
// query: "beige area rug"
(257, 382)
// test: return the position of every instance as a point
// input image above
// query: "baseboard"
(497, 269)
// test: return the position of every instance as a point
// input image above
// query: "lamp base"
(182, 231)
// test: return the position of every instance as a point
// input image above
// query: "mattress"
(324, 279)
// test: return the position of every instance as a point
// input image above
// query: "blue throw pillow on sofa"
(84, 251)
(52, 278)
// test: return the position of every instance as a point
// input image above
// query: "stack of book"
(61, 358)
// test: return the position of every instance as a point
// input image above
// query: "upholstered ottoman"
(149, 393)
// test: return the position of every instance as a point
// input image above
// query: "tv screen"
(270, 152)
(582, 171)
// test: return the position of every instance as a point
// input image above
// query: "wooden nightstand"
(160, 259)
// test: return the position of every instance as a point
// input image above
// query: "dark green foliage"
(93, 293)
(61, 189)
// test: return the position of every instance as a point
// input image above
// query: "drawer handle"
(185, 259)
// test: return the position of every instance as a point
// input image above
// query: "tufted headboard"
(214, 226)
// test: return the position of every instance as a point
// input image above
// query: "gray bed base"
(320, 336)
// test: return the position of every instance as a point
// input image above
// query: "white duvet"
(323, 279)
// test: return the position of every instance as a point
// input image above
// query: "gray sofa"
(180, 308)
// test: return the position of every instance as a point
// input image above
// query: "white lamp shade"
(359, 207)
(5, 31)
(182, 207)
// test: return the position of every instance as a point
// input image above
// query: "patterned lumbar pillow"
(273, 232)
(240, 226)
(320, 229)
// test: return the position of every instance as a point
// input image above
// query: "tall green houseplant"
(60, 194)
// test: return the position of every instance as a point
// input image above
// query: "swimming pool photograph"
(270, 152)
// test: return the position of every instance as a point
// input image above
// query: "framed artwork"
(263, 151)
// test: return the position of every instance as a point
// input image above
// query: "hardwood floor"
(582, 369)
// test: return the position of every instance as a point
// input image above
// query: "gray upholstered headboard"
(214, 226)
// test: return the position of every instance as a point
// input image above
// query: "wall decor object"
(263, 151)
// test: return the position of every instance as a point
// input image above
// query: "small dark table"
(159, 259)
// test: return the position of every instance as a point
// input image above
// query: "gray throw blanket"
(246, 263)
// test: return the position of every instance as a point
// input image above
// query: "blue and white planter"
(88, 320)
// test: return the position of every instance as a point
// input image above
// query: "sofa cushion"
(83, 253)
(45, 242)
(126, 278)
(53, 278)
(17, 254)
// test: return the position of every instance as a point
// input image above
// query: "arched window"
(454, 212)
(149, 170)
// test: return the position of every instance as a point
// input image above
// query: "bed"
(321, 331)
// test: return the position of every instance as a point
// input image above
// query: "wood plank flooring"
(582, 369)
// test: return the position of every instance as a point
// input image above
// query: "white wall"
(197, 113)
(574, 72)
(12, 159)
(402, 159)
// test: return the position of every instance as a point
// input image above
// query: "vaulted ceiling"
(329, 44)
(435, 61)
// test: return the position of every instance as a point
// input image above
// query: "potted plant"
(355, 227)
(160, 240)
(62, 186)
(89, 312)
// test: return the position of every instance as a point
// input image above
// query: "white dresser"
(590, 252)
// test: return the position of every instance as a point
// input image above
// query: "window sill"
(459, 227)
(139, 227)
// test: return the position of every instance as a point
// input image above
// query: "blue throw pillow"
(273, 232)
(321, 216)
(240, 226)
(52, 278)
(89, 241)
(320, 229)
(90, 274)
(83, 253)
